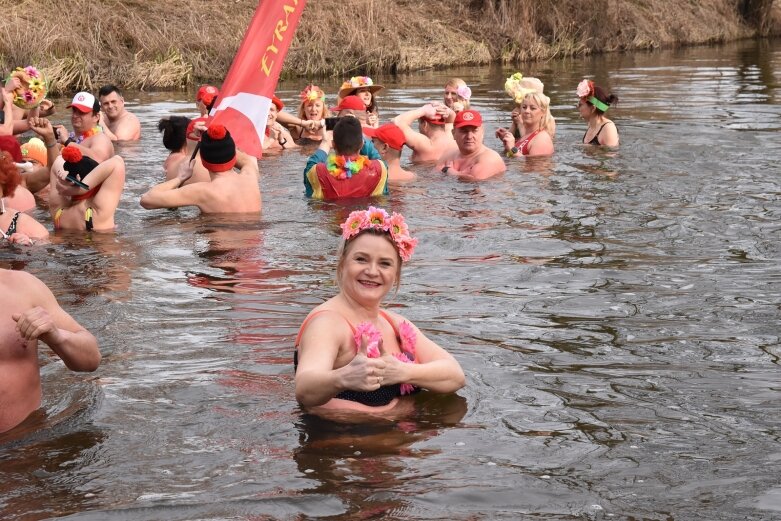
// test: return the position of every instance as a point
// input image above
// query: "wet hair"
(174, 129)
(604, 97)
(348, 136)
(105, 90)
(344, 249)
(9, 174)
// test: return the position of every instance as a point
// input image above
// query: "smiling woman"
(352, 357)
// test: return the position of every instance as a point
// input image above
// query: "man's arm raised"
(171, 193)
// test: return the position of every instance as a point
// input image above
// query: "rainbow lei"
(379, 219)
(85, 135)
(343, 167)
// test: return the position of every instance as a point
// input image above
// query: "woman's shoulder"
(326, 313)
(325, 321)
(395, 318)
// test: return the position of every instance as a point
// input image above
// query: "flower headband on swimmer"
(32, 87)
(312, 93)
(464, 92)
(585, 91)
(518, 87)
(378, 219)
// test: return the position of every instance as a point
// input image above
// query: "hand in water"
(21, 239)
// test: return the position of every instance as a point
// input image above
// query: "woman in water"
(15, 226)
(592, 105)
(364, 88)
(531, 120)
(311, 108)
(277, 137)
(354, 356)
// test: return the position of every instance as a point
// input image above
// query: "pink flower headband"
(379, 219)
(312, 93)
(464, 92)
(585, 91)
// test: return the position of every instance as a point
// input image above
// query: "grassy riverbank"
(142, 44)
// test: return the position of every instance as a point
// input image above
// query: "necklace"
(88, 134)
(344, 167)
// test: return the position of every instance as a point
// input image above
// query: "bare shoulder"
(489, 154)
(397, 319)
(20, 285)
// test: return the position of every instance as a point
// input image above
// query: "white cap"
(83, 101)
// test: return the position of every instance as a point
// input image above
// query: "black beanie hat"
(218, 151)
(76, 164)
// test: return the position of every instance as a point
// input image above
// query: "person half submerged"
(351, 355)
(345, 172)
(229, 190)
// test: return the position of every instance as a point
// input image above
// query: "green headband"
(598, 104)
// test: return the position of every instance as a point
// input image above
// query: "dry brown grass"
(144, 44)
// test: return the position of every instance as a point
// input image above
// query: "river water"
(616, 313)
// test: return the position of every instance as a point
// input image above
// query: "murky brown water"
(617, 315)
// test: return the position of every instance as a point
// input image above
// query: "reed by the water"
(139, 44)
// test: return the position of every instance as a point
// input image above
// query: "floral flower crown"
(515, 88)
(586, 91)
(312, 93)
(32, 88)
(379, 219)
(359, 81)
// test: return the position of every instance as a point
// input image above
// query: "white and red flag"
(245, 95)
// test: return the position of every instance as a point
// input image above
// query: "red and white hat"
(83, 102)
(468, 118)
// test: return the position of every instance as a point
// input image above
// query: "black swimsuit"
(12, 226)
(595, 139)
(382, 396)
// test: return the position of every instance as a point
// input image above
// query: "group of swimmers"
(351, 355)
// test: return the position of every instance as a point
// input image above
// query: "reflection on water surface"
(615, 311)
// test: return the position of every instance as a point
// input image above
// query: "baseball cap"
(351, 103)
(83, 102)
(468, 118)
(206, 94)
(389, 133)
